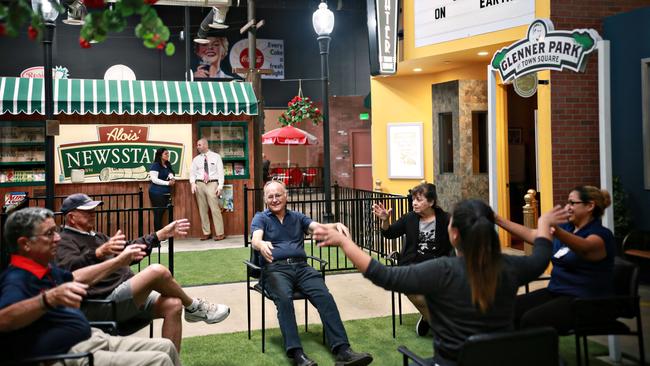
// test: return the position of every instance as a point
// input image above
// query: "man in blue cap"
(151, 293)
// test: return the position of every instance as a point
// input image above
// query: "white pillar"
(492, 138)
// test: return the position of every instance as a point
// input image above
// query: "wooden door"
(361, 159)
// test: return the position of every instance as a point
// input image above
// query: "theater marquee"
(106, 153)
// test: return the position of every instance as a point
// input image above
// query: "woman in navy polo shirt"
(583, 261)
(162, 178)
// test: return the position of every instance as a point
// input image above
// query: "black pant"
(543, 308)
(159, 201)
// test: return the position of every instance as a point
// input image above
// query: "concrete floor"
(367, 301)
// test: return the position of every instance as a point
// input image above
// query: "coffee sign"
(119, 152)
(545, 49)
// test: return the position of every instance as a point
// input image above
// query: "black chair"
(113, 327)
(46, 360)
(625, 303)
(393, 259)
(255, 272)
(636, 245)
(530, 347)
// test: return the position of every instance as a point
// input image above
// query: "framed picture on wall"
(514, 136)
(405, 151)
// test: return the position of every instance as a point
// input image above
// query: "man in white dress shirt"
(206, 179)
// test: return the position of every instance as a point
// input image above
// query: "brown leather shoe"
(219, 237)
(205, 237)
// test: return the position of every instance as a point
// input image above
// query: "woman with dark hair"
(426, 238)
(473, 292)
(583, 261)
(162, 178)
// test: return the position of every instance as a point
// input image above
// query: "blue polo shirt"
(163, 174)
(287, 236)
(572, 275)
(54, 332)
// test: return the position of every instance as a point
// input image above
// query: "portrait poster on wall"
(222, 54)
(405, 151)
(227, 198)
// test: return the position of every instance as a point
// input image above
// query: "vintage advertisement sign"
(58, 72)
(382, 36)
(13, 200)
(545, 49)
(105, 153)
(447, 20)
(268, 55)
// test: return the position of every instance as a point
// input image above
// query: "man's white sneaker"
(207, 312)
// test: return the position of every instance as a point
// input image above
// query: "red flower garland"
(300, 108)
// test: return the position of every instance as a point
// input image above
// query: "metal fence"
(120, 211)
(298, 177)
(352, 207)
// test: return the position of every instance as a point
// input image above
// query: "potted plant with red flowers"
(298, 109)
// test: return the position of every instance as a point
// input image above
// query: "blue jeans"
(280, 282)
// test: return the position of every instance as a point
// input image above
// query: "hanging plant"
(300, 108)
(98, 23)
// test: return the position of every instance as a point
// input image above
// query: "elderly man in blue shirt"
(278, 234)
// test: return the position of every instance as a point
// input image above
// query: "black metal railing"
(352, 207)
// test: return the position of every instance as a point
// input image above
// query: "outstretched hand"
(380, 211)
(179, 227)
(329, 236)
(68, 294)
(114, 246)
(132, 253)
(556, 216)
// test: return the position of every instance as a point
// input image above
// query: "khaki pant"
(206, 196)
(133, 351)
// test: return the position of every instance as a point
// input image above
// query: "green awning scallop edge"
(84, 96)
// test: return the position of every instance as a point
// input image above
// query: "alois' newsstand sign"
(545, 49)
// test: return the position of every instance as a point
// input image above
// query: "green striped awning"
(27, 95)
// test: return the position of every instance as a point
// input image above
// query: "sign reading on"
(120, 152)
(382, 36)
(447, 20)
(545, 49)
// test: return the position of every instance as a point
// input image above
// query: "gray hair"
(24, 223)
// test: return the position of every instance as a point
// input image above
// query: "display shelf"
(16, 184)
(230, 141)
(21, 163)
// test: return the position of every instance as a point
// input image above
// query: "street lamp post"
(50, 13)
(323, 21)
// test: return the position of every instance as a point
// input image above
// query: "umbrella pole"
(288, 156)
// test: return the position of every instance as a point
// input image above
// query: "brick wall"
(574, 98)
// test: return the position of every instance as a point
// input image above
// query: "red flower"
(94, 4)
(155, 37)
(150, 2)
(84, 43)
(161, 45)
(32, 33)
(3, 30)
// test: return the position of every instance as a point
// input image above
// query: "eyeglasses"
(571, 203)
(50, 233)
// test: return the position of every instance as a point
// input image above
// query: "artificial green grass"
(366, 335)
(218, 266)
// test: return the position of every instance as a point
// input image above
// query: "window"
(479, 142)
(446, 142)
(645, 94)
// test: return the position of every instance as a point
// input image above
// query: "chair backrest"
(637, 239)
(626, 283)
(530, 347)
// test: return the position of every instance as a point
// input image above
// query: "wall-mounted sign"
(526, 85)
(447, 20)
(119, 152)
(269, 55)
(382, 36)
(13, 200)
(545, 49)
(58, 72)
(405, 152)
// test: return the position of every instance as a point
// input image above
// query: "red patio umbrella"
(288, 135)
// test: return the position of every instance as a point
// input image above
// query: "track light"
(219, 17)
(76, 13)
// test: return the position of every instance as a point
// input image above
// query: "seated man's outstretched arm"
(336, 226)
(23, 313)
(264, 247)
(93, 274)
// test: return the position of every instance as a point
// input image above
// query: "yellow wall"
(407, 99)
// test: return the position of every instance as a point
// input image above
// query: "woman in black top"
(473, 292)
(162, 178)
(426, 238)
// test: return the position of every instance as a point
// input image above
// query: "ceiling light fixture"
(483, 53)
(76, 13)
(417, 69)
